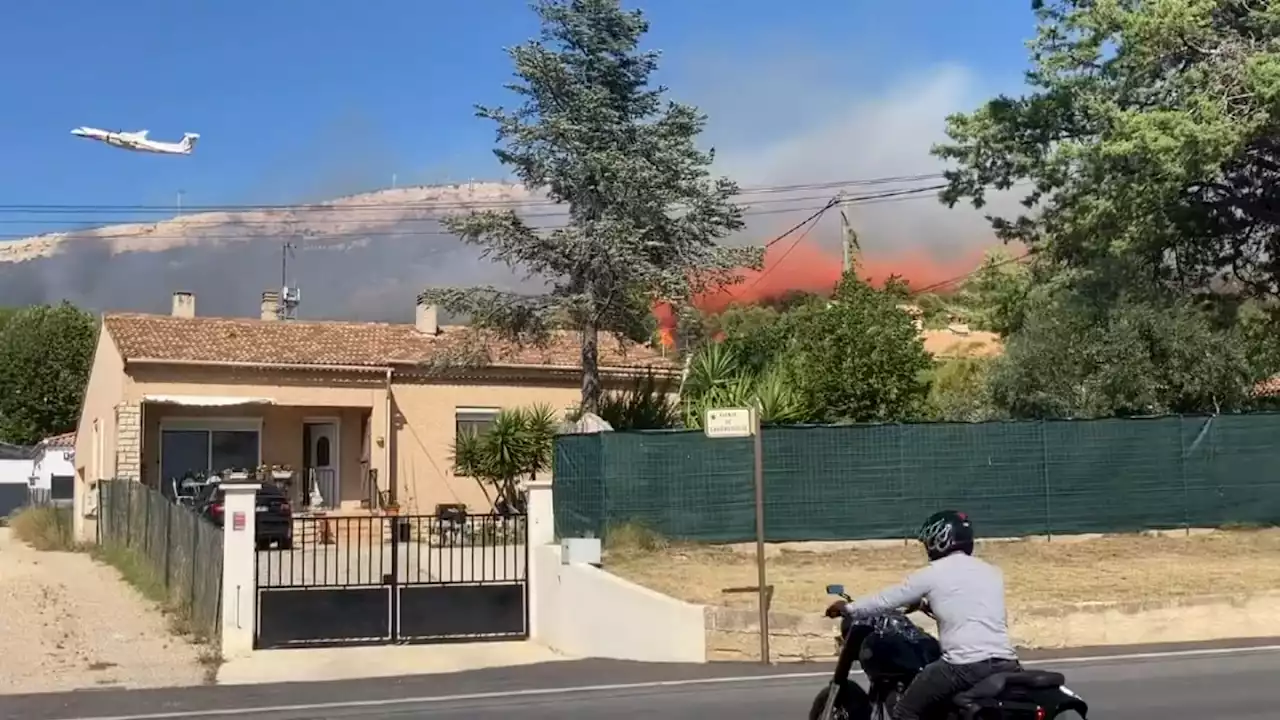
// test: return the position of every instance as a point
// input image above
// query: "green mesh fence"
(878, 481)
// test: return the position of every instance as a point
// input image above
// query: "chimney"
(184, 305)
(270, 305)
(425, 319)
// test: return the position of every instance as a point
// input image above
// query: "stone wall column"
(129, 442)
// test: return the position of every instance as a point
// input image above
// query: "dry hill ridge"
(349, 216)
(361, 257)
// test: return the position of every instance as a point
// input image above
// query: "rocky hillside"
(365, 256)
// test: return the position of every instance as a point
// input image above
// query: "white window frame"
(210, 425)
(489, 413)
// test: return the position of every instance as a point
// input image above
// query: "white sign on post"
(737, 423)
(728, 423)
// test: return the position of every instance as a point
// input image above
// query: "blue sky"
(300, 101)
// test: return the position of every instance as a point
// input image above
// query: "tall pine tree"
(644, 211)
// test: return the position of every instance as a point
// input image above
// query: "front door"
(322, 465)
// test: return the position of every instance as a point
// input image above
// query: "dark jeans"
(940, 681)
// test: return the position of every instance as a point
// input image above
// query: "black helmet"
(946, 532)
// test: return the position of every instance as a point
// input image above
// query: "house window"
(473, 420)
(62, 487)
(204, 446)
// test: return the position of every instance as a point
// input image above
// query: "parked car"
(273, 520)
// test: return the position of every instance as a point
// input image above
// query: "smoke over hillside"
(368, 256)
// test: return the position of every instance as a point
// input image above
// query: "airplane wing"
(139, 134)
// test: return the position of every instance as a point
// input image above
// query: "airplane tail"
(189, 141)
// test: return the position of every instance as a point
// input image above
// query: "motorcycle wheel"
(850, 705)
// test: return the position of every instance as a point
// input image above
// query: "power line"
(811, 222)
(337, 206)
(971, 273)
(189, 221)
(89, 233)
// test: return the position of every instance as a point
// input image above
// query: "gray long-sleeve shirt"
(966, 596)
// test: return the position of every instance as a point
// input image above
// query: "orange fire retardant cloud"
(809, 268)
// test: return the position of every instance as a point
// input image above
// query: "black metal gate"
(394, 579)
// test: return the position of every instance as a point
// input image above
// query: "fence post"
(1044, 464)
(195, 546)
(239, 581)
(146, 533)
(128, 516)
(168, 542)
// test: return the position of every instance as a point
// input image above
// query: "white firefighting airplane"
(139, 142)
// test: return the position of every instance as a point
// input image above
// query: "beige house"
(366, 412)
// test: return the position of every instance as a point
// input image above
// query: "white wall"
(582, 611)
(53, 461)
(15, 471)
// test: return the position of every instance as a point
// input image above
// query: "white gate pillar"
(542, 515)
(239, 581)
(541, 519)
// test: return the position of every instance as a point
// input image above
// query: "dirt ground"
(1037, 573)
(68, 623)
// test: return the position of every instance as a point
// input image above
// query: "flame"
(809, 268)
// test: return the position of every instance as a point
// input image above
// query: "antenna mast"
(290, 296)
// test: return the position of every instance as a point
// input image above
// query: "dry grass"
(45, 528)
(1038, 573)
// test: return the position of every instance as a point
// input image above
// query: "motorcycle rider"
(966, 597)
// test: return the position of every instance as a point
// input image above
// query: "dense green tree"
(1148, 144)
(995, 297)
(46, 353)
(1076, 359)
(644, 212)
(857, 357)
(960, 391)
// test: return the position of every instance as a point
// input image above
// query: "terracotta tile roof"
(1267, 388)
(960, 342)
(64, 440)
(214, 340)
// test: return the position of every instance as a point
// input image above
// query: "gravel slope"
(67, 622)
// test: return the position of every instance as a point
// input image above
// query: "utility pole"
(848, 236)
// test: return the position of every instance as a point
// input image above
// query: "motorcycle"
(892, 650)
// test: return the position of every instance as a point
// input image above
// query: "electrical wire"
(90, 233)
(961, 278)
(811, 222)
(337, 206)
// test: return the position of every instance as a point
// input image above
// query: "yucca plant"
(516, 446)
(646, 405)
(717, 378)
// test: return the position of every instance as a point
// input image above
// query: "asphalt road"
(1237, 686)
